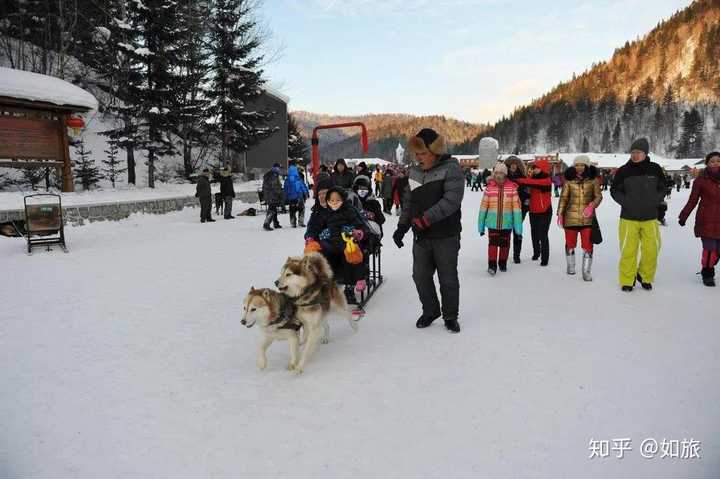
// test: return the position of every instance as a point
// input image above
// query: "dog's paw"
(291, 366)
(324, 340)
(262, 364)
(298, 370)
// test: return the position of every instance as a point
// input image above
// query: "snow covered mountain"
(665, 86)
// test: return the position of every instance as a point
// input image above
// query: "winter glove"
(399, 234)
(370, 215)
(358, 235)
(421, 223)
(589, 210)
(681, 221)
(561, 221)
(482, 233)
(311, 246)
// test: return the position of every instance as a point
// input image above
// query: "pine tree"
(616, 137)
(605, 144)
(585, 145)
(116, 57)
(192, 99)
(297, 145)
(85, 170)
(691, 139)
(112, 169)
(236, 77)
(164, 35)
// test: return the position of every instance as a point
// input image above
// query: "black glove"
(399, 234)
(682, 222)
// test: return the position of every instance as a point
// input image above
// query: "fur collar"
(590, 173)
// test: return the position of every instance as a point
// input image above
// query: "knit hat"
(581, 160)
(710, 155)
(641, 144)
(428, 139)
(225, 171)
(500, 168)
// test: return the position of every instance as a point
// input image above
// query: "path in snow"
(126, 359)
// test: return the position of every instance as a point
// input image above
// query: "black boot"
(492, 268)
(267, 227)
(425, 321)
(708, 276)
(627, 289)
(645, 286)
(503, 265)
(452, 325)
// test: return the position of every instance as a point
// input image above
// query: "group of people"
(433, 210)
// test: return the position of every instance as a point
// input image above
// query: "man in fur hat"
(431, 207)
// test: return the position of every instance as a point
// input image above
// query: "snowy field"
(131, 362)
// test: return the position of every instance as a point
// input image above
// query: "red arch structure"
(316, 143)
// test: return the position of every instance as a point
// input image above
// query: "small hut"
(35, 114)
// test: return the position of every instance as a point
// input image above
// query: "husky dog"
(275, 314)
(309, 282)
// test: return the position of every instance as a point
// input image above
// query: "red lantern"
(74, 124)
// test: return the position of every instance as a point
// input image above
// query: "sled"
(44, 221)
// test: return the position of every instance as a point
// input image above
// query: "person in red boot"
(706, 190)
(540, 185)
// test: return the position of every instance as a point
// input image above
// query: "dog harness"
(286, 317)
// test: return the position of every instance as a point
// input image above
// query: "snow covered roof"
(276, 93)
(368, 161)
(43, 88)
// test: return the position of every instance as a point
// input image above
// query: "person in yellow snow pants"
(634, 235)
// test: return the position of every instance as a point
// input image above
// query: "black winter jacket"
(203, 188)
(639, 188)
(436, 194)
(226, 187)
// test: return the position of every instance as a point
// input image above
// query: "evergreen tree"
(605, 144)
(112, 169)
(236, 77)
(616, 137)
(585, 145)
(85, 170)
(116, 57)
(165, 36)
(691, 139)
(192, 99)
(297, 145)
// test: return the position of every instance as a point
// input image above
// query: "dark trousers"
(441, 255)
(517, 240)
(272, 216)
(205, 208)
(297, 212)
(378, 188)
(228, 206)
(387, 205)
(539, 228)
(345, 273)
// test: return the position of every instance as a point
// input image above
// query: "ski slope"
(126, 359)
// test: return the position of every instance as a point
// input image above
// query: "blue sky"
(474, 60)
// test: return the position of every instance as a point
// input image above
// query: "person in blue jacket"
(296, 192)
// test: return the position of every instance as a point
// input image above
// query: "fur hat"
(361, 181)
(514, 160)
(582, 160)
(428, 139)
(641, 144)
(500, 168)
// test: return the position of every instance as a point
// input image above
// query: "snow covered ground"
(131, 363)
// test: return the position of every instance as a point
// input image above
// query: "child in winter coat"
(516, 170)
(540, 186)
(500, 211)
(332, 222)
(576, 212)
(706, 190)
(371, 209)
